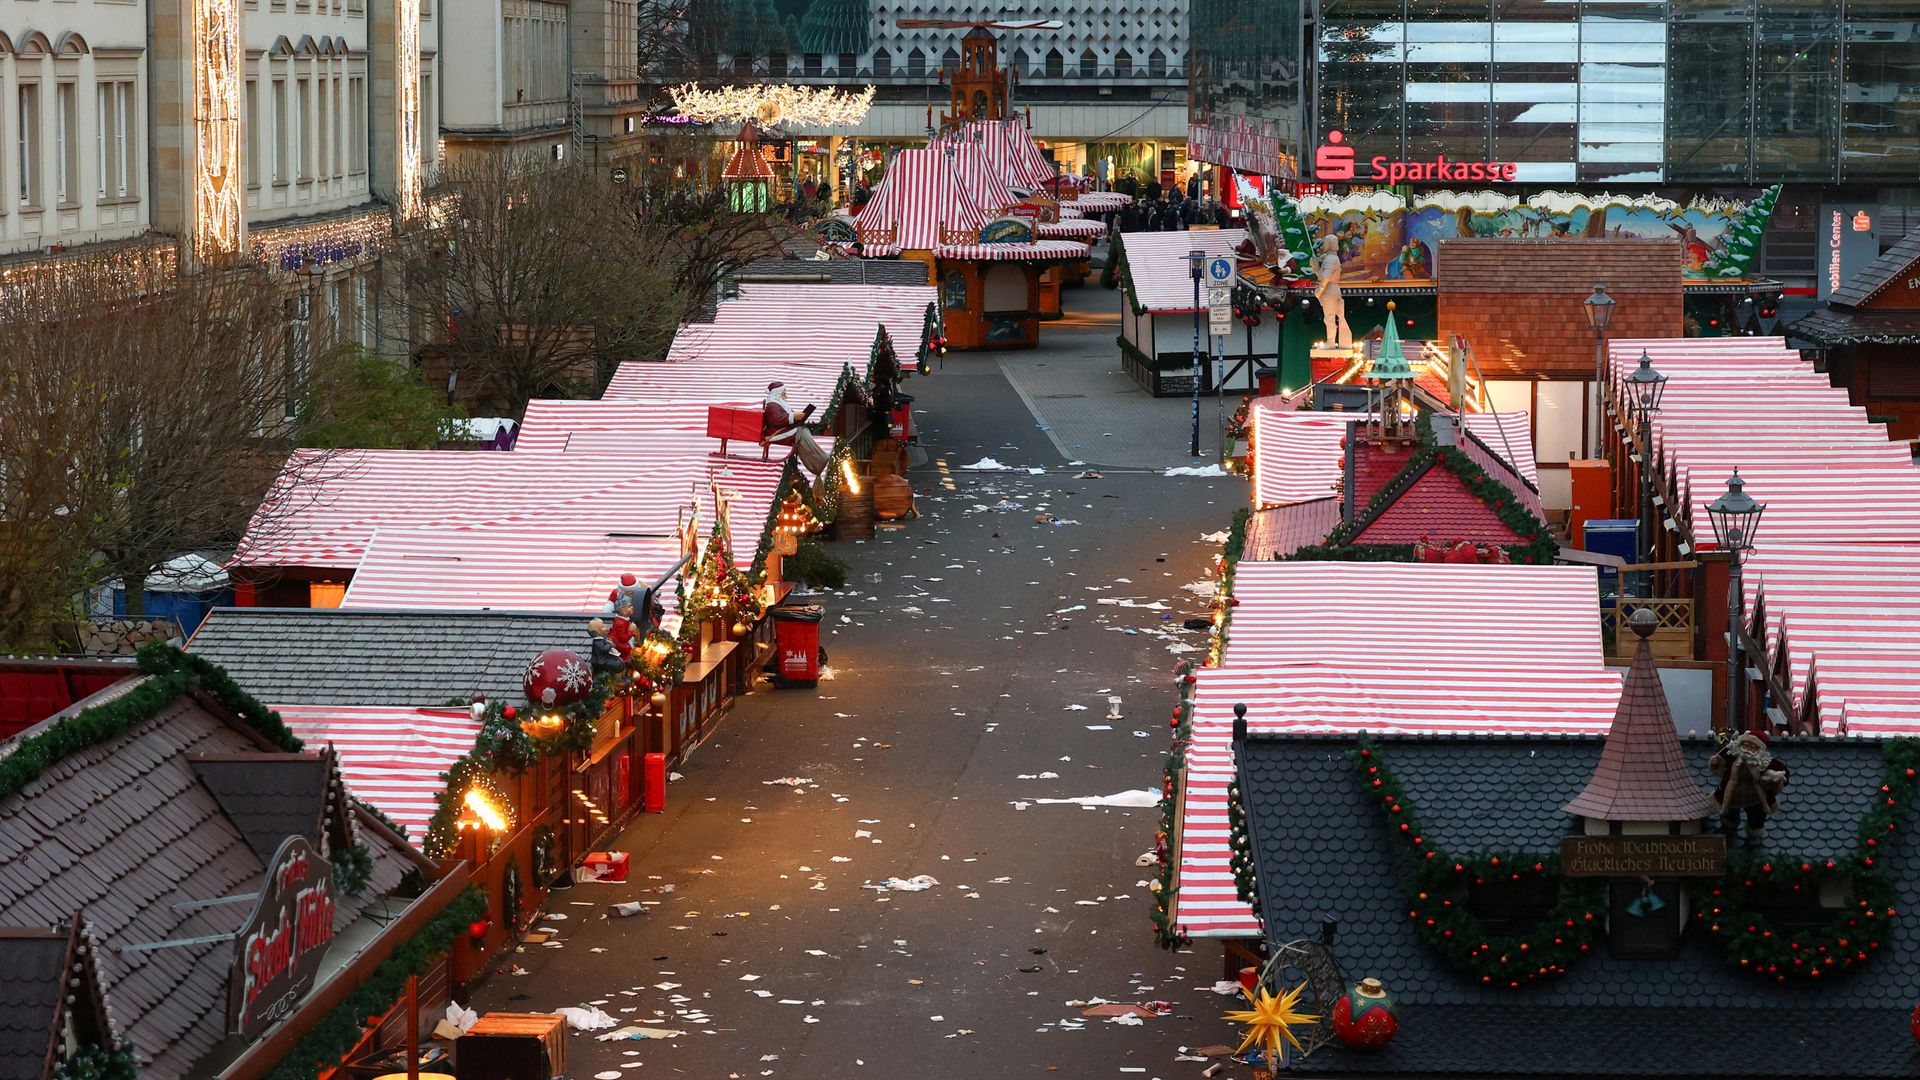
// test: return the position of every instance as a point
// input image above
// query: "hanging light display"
(771, 105)
(218, 227)
(406, 78)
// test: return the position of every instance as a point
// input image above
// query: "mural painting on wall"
(1384, 238)
(1006, 328)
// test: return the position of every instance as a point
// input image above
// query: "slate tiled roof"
(123, 833)
(1321, 849)
(323, 656)
(1642, 775)
(1837, 326)
(33, 969)
(1879, 273)
(268, 797)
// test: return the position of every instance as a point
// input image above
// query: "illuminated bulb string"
(772, 105)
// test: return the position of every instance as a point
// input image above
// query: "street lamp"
(1644, 388)
(1197, 266)
(1736, 518)
(1599, 309)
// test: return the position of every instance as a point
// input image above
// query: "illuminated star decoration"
(771, 105)
(1270, 1020)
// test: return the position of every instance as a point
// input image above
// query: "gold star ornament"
(1270, 1020)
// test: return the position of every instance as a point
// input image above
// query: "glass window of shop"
(1709, 100)
(1362, 76)
(1247, 62)
(1796, 89)
(1880, 102)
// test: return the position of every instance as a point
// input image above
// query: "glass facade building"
(1663, 92)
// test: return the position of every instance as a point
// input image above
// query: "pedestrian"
(1153, 191)
(1193, 184)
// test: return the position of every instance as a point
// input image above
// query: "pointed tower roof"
(748, 163)
(1392, 361)
(1642, 775)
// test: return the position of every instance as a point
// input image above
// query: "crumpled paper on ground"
(588, 1019)
(916, 883)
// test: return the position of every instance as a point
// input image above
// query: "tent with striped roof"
(1385, 648)
(922, 204)
(910, 313)
(507, 570)
(1007, 147)
(391, 757)
(1297, 456)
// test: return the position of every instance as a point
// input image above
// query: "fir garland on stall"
(95, 1062)
(1161, 887)
(1725, 907)
(1246, 886)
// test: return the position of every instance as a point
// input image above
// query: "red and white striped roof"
(919, 197)
(722, 382)
(617, 426)
(391, 758)
(1298, 456)
(1835, 557)
(1386, 648)
(1157, 277)
(1008, 147)
(1038, 251)
(902, 309)
(831, 345)
(1072, 229)
(1099, 202)
(503, 570)
(326, 517)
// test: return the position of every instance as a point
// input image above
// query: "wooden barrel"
(892, 497)
(855, 521)
(888, 457)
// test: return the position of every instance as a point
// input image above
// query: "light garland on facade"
(771, 105)
(406, 77)
(326, 241)
(219, 227)
(135, 267)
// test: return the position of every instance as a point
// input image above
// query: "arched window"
(882, 64)
(1056, 64)
(1123, 64)
(1089, 64)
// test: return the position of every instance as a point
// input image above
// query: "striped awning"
(1072, 229)
(1831, 572)
(1007, 147)
(909, 312)
(1385, 648)
(723, 382)
(1299, 456)
(1038, 251)
(1101, 202)
(392, 758)
(920, 196)
(618, 426)
(504, 570)
(1155, 275)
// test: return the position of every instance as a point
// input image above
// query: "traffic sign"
(1219, 270)
(1219, 296)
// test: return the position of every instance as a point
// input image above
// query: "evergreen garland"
(1245, 884)
(170, 674)
(337, 1033)
(352, 869)
(1724, 906)
(95, 1062)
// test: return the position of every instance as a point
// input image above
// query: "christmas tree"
(1742, 241)
(1292, 230)
(835, 26)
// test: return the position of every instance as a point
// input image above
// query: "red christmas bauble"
(558, 677)
(1364, 1017)
(478, 928)
(1916, 1024)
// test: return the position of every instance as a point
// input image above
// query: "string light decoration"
(406, 78)
(218, 227)
(771, 105)
(332, 240)
(136, 267)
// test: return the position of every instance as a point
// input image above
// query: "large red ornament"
(558, 677)
(1364, 1018)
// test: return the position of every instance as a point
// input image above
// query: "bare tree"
(540, 283)
(701, 236)
(144, 412)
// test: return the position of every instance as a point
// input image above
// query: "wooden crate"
(513, 1046)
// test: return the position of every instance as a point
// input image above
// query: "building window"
(302, 121)
(1123, 65)
(1157, 63)
(114, 109)
(1089, 64)
(282, 144)
(1056, 64)
(916, 64)
(810, 63)
(357, 101)
(254, 122)
(66, 161)
(342, 124)
(882, 64)
(29, 134)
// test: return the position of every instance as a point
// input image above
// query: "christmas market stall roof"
(1299, 456)
(1854, 314)
(1405, 492)
(480, 570)
(911, 313)
(1382, 647)
(923, 204)
(1326, 858)
(811, 273)
(135, 813)
(1007, 149)
(326, 505)
(50, 985)
(1828, 582)
(1154, 276)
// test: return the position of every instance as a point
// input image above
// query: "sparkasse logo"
(1335, 161)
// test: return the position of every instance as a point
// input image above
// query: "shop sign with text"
(1643, 856)
(278, 950)
(1336, 161)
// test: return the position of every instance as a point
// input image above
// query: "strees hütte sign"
(277, 951)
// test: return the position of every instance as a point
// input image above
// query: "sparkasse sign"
(1335, 161)
(277, 951)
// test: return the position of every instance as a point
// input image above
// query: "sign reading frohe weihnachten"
(1643, 856)
(278, 949)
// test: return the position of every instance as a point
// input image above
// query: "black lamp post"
(1736, 518)
(1644, 388)
(1197, 266)
(1599, 309)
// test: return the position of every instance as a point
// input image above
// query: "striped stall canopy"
(1038, 251)
(831, 346)
(1381, 647)
(1099, 202)
(1072, 229)
(391, 758)
(724, 382)
(617, 426)
(909, 312)
(1298, 457)
(1155, 273)
(325, 516)
(918, 198)
(982, 181)
(479, 570)
(1008, 147)
(1830, 572)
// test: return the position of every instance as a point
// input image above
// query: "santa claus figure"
(778, 422)
(1749, 778)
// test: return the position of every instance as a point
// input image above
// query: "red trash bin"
(901, 421)
(796, 640)
(656, 797)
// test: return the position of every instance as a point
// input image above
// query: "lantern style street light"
(1599, 310)
(1644, 389)
(1736, 518)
